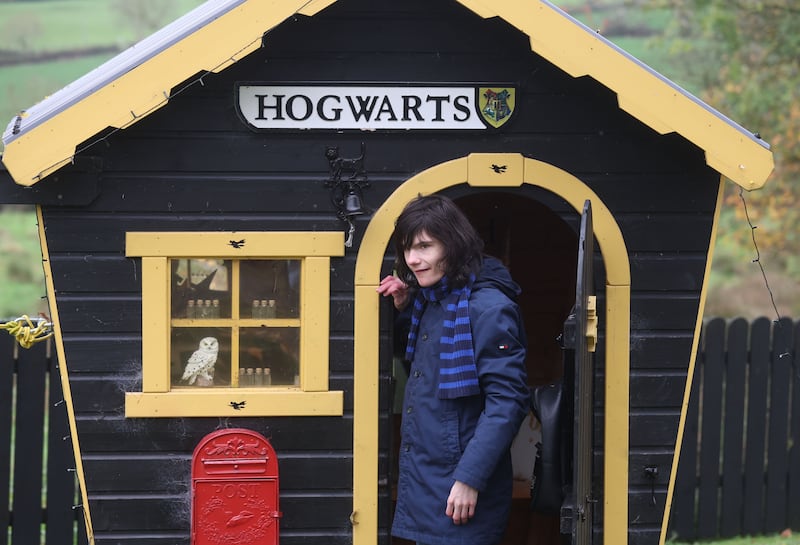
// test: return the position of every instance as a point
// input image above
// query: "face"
(425, 258)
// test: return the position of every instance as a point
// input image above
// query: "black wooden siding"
(194, 166)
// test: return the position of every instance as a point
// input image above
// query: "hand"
(461, 503)
(391, 285)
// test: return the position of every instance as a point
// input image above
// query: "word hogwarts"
(373, 107)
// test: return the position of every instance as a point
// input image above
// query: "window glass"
(200, 357)
(270, 288)
(269, 356)
(255, 342)
(201, 288)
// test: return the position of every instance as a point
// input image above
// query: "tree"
(744, 55)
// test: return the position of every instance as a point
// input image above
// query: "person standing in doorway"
(467, 391)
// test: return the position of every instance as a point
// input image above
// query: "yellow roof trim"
(139, 92)
(40, 149)
(654, 100)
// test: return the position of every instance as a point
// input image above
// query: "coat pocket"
(451, 440)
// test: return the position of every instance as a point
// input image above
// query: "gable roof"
(139, 80)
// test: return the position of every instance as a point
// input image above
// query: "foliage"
(741, 57)
(745, 57)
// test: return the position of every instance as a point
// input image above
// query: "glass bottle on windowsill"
(271, 310)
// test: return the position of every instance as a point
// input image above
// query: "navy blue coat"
(465, 439)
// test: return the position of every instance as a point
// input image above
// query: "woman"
(467, 390)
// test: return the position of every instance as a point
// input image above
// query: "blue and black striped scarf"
(458, 374)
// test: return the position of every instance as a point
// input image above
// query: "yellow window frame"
(310, 398)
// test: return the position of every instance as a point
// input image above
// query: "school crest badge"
(496, 104)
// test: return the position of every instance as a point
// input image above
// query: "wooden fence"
(739, 469)
(37, 466)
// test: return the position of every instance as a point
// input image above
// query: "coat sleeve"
(500, 349)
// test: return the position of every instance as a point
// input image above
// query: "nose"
(411, 257)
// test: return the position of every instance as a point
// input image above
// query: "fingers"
(388, 285)
(461, 503)
(461, 515)
(391, 285)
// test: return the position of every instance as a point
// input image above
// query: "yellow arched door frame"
(491, 170)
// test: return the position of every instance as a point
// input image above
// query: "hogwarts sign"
(374, 107)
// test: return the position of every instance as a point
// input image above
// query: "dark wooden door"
(577, 511)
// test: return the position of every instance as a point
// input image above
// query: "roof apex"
(138, 81)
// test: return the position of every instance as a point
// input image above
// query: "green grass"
(786, 538)
(21, 274)
(22, 86)
(59, 25)
(54, 25)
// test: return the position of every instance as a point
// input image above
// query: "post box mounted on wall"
(234, 489)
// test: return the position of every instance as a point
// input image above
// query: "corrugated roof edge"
(116, 66)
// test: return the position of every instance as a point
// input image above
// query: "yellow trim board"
(235, 244)
(271, 401)
(64, 374)
(730, 149)
(616, 320)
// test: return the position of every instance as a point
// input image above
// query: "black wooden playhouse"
(232, 182)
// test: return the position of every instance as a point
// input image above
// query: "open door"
(580, 335)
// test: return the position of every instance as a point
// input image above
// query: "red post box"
(234, 489)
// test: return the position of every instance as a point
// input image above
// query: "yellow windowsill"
(234, 402)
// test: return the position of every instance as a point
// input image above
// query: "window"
(235, 324)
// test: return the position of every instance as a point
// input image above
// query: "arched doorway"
(480, 171)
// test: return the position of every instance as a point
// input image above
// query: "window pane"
(269, 352)
(201, 288)
(200, 357)
(270, 288)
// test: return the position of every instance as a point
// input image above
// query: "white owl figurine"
(200, 367)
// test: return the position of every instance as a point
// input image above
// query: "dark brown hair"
(440, 218)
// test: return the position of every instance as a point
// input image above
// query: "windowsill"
(272, 401)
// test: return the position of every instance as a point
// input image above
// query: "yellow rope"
(26, 333)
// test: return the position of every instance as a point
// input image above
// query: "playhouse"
(215, 207)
